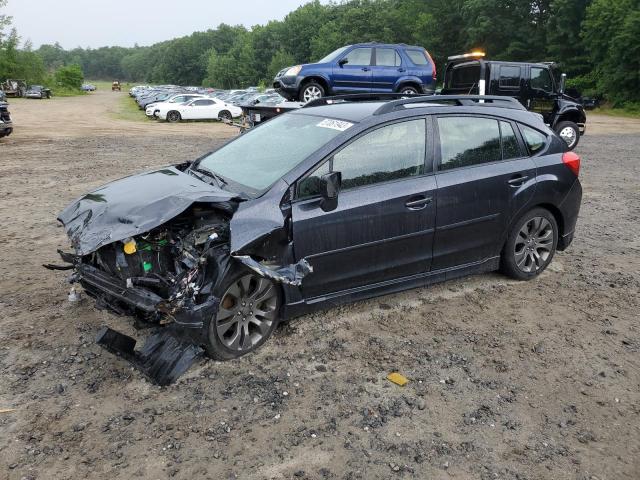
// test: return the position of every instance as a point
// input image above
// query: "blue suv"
(364, 67)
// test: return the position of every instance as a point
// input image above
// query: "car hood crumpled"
(135, 205)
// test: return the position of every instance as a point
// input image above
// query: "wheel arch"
(318, 79)
(572, 115)
(408, 82)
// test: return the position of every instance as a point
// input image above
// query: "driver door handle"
(418, 203)
(365, 69)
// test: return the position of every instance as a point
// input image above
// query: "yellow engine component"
(130, 246)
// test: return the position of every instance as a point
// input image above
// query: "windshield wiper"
(221, 181)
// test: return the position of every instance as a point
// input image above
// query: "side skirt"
(302, 307)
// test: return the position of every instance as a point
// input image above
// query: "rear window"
(465, 76)
(534, 139)
(417, 57)
(509, 77)
(466, 141)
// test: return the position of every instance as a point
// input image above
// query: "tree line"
(596, 42)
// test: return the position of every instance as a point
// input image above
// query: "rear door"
(386, 70)
(508, 80)
(484, 178)
(355, 75)
(382, 228)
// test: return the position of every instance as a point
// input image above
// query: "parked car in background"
(199, 109)
(38, 91)
(14, 88)
(3, 96)
(115, 86)
(360, 68)
(538, 86)
(153, 109)
(6, 126)
(88, 87)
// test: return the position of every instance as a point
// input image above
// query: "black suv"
(348, 198)
(538, 86)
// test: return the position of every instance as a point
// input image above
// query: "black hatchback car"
(345, 199)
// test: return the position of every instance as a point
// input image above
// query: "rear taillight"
(433, 66)
(572, 161)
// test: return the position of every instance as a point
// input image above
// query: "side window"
(387, 57)
(535, 140)
(466, 141)
(310, 186)
(359, 57)
(466, 76)
(201, 103)
(417, 57)
(387, 153)
(540, 79)
(510, 146)
(509, 77)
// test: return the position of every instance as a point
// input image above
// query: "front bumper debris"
(164, 357)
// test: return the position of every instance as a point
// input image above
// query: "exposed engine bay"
(155, 246)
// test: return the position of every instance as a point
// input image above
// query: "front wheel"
(569, 132)
(530, 245)
(247, 315)
(311, 91)
(173, 116)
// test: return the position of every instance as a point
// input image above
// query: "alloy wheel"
(225, 116)
(569, 135)
(247, 312)
(534, 244)
(173, 116)
(408, 91)
(311, 93)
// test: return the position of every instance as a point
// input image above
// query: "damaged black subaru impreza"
(344, 199)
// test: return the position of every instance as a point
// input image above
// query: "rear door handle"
(365, 69)
(418, 203)
(518, 180)
(401, 70)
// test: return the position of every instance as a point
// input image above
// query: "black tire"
(526, 255)
(408, 90)
(231, 314)
(173, 116)
(569, 132)
(310, 91)
(225, 115)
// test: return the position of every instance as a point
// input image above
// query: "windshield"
(332, 56)
(257, 159)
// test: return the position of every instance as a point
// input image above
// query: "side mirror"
(563, 81)
(343, 62)
(330, 184)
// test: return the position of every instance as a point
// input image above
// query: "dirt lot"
(509, 380)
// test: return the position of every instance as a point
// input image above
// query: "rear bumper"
(570, 208)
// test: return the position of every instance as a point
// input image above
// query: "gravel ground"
(508, 380)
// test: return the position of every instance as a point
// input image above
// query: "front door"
(382, 228)
(484, 178)
(354, 75)
(541, 97)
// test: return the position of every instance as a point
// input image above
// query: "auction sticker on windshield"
(340, 125)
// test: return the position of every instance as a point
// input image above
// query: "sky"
(98, 23)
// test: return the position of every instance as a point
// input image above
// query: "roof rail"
(460, 100)
(357, 97)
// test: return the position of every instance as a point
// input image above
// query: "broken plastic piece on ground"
(51, 266)
(289, 275)
(8, 410)
(74, 295)
(398, 379)
(164, 357)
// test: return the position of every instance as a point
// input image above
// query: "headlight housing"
(293, 71)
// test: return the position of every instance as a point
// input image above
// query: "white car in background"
(153, 108)
(199, 109)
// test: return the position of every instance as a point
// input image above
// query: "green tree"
(70, 77)
(280, 60)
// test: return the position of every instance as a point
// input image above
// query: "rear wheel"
(173, 116)
(247, 315)
(225, 116)
(530, 245)
(569, 132)
(408, 90)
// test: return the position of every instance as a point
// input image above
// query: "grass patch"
(127, 109)
(618, 112)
